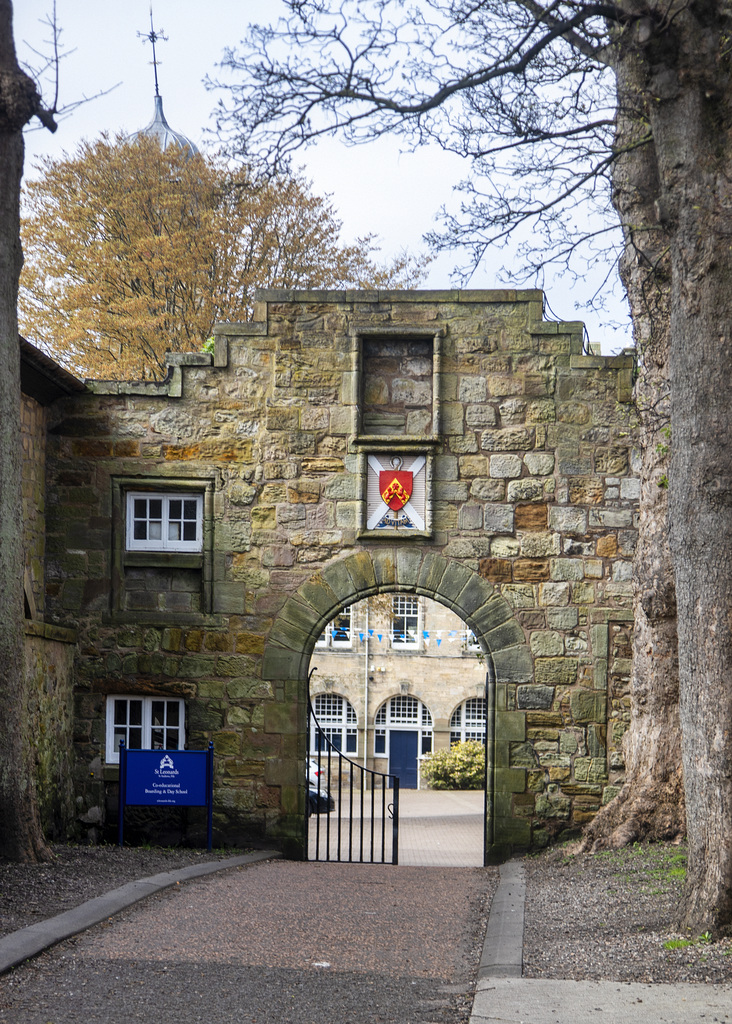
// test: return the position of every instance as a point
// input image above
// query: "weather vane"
(152, 37)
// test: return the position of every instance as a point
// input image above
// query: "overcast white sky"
(375, 188)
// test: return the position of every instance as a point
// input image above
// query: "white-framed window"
(405, 622)
(144, 723)
(468, 721)
(337, 719)
(403, 712)
(164, 522)
(339, 632)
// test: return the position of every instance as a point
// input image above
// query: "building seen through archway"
(397, 677)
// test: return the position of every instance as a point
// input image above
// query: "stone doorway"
(411, 571)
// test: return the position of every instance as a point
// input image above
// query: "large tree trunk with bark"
(651, 803)
(20, 833)
(689, 96)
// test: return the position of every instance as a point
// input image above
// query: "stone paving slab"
(537, 1001)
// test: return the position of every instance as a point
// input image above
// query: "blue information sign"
(166, 778)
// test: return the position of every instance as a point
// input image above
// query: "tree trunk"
(651, 802)
(20, 833)
(688, 87)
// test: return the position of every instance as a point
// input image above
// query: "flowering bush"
(460, 767)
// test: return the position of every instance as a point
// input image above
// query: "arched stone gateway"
(486, 612)
(202, 531)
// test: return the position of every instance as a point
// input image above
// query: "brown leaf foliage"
(132, 251)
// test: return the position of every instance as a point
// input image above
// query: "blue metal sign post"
(166, 778)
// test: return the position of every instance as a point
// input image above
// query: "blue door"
(403, 756)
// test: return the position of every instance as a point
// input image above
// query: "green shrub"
(460, 767)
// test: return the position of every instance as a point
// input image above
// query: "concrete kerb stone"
(26, 943)
(503, 948)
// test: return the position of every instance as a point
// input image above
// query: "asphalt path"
(274, 942)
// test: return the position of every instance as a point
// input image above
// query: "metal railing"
(361, 825)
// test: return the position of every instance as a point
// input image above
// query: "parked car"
(319, 800)
(314, 773)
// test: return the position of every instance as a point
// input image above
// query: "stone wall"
(48, 650)
(530, 507)
(33, 441)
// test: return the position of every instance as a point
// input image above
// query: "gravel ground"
(606, 915)
(275, 943)
(610, 916)
(33, 892)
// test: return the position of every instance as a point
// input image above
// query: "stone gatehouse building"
(201, 534)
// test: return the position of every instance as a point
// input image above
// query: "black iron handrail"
(367, 839)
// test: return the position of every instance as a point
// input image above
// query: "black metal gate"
(349, 815)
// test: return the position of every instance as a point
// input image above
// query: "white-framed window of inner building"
(404, 713)
(468, 721)
(339, 631)
(337, 719)
(405, 622)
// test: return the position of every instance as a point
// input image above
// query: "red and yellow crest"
(396, 488)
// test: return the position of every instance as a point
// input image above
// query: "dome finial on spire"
(152, 37)
(159, 127)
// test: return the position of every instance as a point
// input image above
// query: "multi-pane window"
(337, 633)
(404, 621)
(337, 720)
(468, 721)
(144, 723)
(164, 522)
(403, 712)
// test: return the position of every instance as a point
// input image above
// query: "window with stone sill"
(164, 522)
(144, 723)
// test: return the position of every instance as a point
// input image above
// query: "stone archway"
(486, 612)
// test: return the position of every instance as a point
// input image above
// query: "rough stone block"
(530, 570)
(536, 545)
(588, 706)
(566, 519)
(556, 671)
(488, 490)
(567, 568)
(535, 698)
(470, 517)
(498, 519)
(531, 517)
(546, 643)
(513, 665)
(525, 490)
(508, 439)
(505, 466)
(497, 570)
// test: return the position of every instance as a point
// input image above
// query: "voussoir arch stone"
(357, 576)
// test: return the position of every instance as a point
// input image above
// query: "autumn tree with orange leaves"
(132, 251)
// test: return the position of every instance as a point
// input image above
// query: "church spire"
(159, 127)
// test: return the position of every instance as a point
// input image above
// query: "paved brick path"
(277, 942)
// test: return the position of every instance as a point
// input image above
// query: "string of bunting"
(451, 636)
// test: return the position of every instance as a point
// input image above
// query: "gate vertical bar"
(395, 824)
